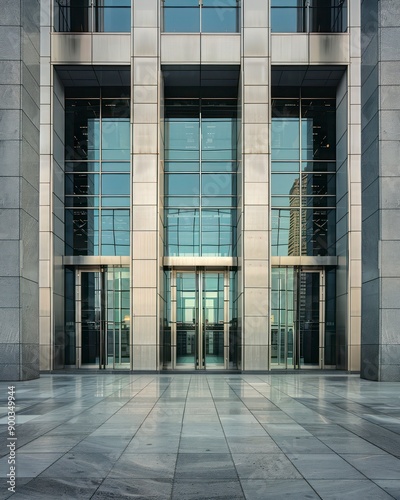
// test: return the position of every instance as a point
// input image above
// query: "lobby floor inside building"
(186, 437)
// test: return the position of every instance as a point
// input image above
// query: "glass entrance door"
(201, 326)
(103, 317)
(297, 318)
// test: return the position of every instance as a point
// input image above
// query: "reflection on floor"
(204, 436)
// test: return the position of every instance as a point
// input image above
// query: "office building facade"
(199, 196)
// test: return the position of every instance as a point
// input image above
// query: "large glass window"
(97, 176)
(200, 177)
(108, 16)
(195, 16)
(299, 16)
(303, 181)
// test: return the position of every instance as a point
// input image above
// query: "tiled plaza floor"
(186, 437)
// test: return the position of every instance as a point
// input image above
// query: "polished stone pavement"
(219, 436)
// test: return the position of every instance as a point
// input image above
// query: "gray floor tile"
(300, 444)
(376, 466)
(136, 465)
(190, 489)
(144, 489)
(264, 466)
(86, 465)
(324, 466)
(390, 486)
(349, 489)
(258, 444)
(29, 464)
(206, 466)
(276, 489)
(51, 488)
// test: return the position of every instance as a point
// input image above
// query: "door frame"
(200, 363)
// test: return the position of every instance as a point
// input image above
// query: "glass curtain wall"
(195, 16)
(112, 16)
(303, 16)
(303, 178)
(97, 174)
(200, 177)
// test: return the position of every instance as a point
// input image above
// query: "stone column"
(19, 189)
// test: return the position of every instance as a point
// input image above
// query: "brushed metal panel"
(354, 358)
(144, 273)
(256, 273)
(145, 113)
(145, 357)
(256, 193)
(256, 94)
(146, 13)
(223, 49)
(145, 138)
(220, 262)
(111, 48)
(144, 168)
(255, 42)
(256, 357)
(256, 138)
(355, 302)
(71, 48)
(144, 301)
(144, 193)
(256, 218)
(180, 48)
(144, 218)
(145, 94)
(329, 48)
(256, 71)
(255, 13)
(255, 245)
(256, 168)
(145, 42)
(289, 48)
(256, 331)
(256, 113)
(144, 245)
(145, 71)
(144, 330)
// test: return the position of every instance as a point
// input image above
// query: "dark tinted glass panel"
(318, 231)
(82, 167)
(82, 184)
(113, 16)
(318, 184)
(82, 232)
(70, 338)
(285, 130)
(82, 129)
(318, 129)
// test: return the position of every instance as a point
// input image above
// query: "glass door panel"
(187, 319)
(91, 317)
(200, 320)
(213, 319)
(309, 318)
(297, 302)
(103, 317)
